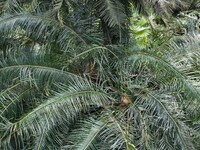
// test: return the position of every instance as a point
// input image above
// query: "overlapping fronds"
(44, 28)
(62, 88)
(66, 106)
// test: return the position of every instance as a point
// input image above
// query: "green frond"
(112, 12)
(63, 87)
(64, 107)
(9, 100)
(117, 132)
(168, 119)
(85, 135)
(9, 6)
(160, 68)
(136, 117)
(45, 28)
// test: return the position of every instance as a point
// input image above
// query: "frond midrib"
(56, 100)
(176, 72)
(172, 119)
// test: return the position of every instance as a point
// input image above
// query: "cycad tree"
(64, 85)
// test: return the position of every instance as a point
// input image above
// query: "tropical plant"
(69, 79)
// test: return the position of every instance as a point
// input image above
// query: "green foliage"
(140, 30)
(112, 11)
(63, 87)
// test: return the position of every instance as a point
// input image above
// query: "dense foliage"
(99, 74)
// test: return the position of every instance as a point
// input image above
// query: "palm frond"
(44, 28)
(157, 62)
(85, 135)
(64, 107)
(9, 6)
(170, 124)
(117, 132)
(112, 12)
(60, 88)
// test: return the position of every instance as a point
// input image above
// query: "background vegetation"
(99, 74)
